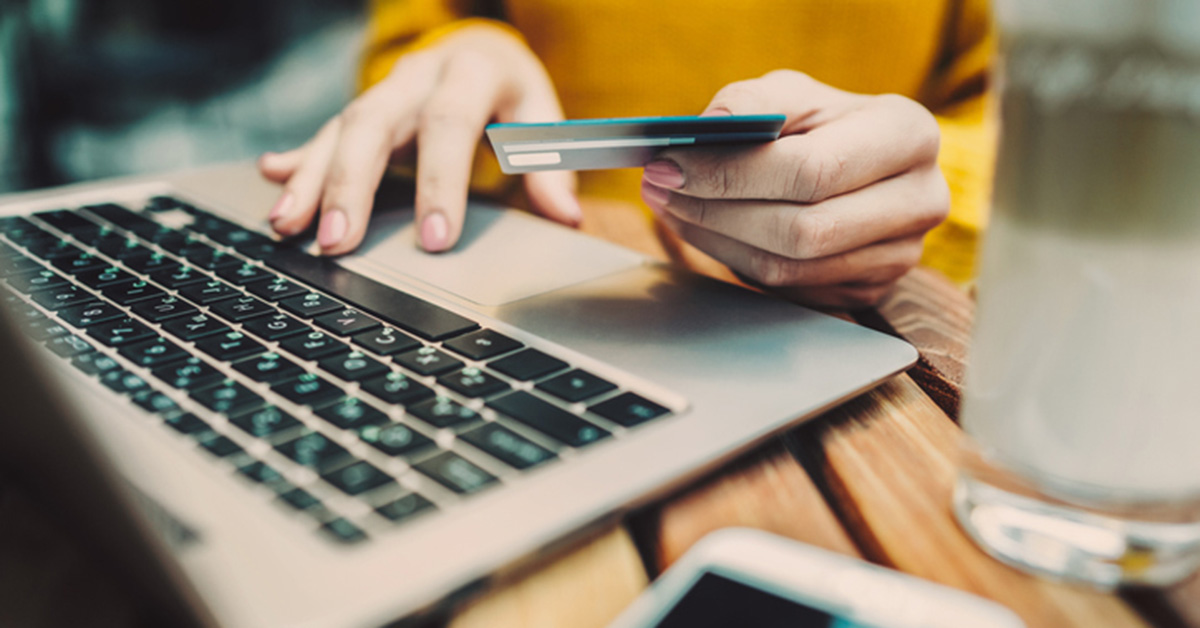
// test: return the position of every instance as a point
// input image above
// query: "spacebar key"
(403, 310)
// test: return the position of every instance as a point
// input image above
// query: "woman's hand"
(833, 213)
(435, 102)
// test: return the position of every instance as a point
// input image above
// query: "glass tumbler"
(1082, 455)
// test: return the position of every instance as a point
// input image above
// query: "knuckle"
(812, 234)
(739, 96)
(769, 270)
(817, 177)
(786, 75)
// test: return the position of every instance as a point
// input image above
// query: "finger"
(279, 167)
(874, 264)
(372, 128)
(296, 206)
(551, 193)
(845, 147)
(909, 204)
(448, 132)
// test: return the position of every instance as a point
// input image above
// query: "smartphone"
(618, 142)
(743, 577)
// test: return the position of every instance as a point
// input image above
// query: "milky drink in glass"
(1083, 390)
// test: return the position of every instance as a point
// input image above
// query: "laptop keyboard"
(351, 402)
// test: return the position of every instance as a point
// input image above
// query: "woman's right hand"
(436, 102)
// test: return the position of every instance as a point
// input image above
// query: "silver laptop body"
(730, 366)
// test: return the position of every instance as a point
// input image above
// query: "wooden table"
(871, 478)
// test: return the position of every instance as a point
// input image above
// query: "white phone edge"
(840, 585)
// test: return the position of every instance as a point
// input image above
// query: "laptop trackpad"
(503, 255)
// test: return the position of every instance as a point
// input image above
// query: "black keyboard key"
(576, 385)
(354, 366)
(217, 445)
(508, 446)
(19, 265)
(408, 506)
(89, 314)
(314, 450)
(191, 374)
(61, 297)
(132, 292)
(397, 388)
(148, 263)
(79, 263)
(276, 326)
(394, 439)
(482, 344)
(528, 365)
(186, 423)
(385, 341)
(311, 305)
(125, 219)
(94, 363)
(45, 329)
(455, 473)
(308, 389)
(53, 248)
(351, 413)
(427, 361)
(40, 279)
(120, 247)
(260, 472)
(269, 367)
(344, 531)
(357, 478)
(346, 322)
(244, 274)
(174, 241)
(472, 382)
(163, 308)
(242, 308)
(313, 345)
(194, 327)
(245, 241)
(21, 231)
(548, 419)
(228, 397)
(299, 499)
(103, 276)
(209, 292)
(122, 381)
(69, 346)
(276, 289)
(443, 412)
(153, 353)
(230, 346)
(265, 422)
(208, 258)
(629, 409)
(69, 222)
(179, 276)
(121, 331)
(156, 402)
(210, 225)
(402, 310)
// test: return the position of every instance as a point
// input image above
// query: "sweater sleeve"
(959, 94)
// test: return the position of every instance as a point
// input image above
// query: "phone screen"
(718, 601)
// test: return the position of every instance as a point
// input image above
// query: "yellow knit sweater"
(611, 58)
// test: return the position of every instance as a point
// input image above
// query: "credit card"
(605, 143)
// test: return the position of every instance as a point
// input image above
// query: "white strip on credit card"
(618, 142)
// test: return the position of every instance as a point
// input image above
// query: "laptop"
(265, 437)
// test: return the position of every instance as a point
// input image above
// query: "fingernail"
(281, 208)
(571, 209)
(654, 196)
(332, 229)
(435, 232)
(719, 111)
(664, 174)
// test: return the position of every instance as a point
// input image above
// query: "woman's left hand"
(833, 213)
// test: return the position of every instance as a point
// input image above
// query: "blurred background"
(99, 88)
